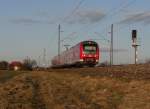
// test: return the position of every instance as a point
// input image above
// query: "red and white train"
(85, 53)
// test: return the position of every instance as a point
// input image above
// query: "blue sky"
(29, 26)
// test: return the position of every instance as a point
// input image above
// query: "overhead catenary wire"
(73, 11)
(116, 12)
(111, 13)
(65, 19)
(124, 7)
(78, 6)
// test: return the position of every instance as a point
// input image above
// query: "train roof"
(89, 42)
(16, 62)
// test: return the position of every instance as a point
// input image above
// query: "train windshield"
(89, 49)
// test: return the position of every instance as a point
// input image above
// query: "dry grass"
(120, 87)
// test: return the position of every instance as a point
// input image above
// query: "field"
(117, 87)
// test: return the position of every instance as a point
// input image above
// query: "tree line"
(27, 64)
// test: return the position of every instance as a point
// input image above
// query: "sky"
(30, 27)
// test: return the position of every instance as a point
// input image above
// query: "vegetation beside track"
(118, 87)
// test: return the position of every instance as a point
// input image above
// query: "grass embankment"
(5, 75)
(87, 88)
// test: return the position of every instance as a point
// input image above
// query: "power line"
(113, 12)
(107, 13)
(68, 36)
(125, 6)
(73, 11)
(111, 46)
(103, 37)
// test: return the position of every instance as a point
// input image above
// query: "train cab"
(89, 53)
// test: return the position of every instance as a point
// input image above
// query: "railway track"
(130, 72)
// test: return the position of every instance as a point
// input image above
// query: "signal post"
(135, 45)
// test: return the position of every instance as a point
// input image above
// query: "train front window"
(89, 49)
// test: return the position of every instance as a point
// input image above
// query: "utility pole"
(136, 54)
(44, 57)
(39, 60)
(59, 42)
(111, 46)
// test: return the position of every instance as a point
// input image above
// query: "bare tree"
(29, 64)
(4, 65)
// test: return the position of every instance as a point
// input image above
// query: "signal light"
(134, 34)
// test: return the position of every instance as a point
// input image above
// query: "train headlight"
(83, 54)
(16, 68)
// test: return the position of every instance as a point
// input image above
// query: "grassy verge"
(5, 75)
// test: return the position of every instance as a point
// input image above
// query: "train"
(15, 65)
(85, 53)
